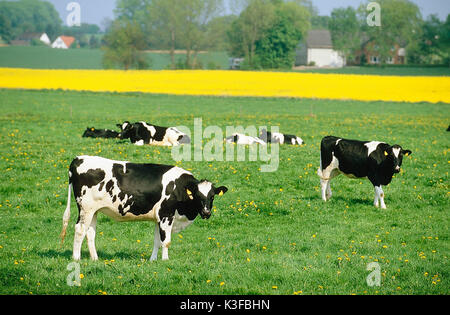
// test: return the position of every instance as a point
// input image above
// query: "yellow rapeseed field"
(236, 83)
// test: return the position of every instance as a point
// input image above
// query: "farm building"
(369, 54)
(318, 50)
(63, 42)
(26, 39)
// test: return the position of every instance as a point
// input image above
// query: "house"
(318, 50)
(63, 42)
(27, 39)
(368, 54)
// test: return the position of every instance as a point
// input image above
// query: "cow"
(240, 138)
(378, 161)
(168, 195)
(91, 132)
(276, 137)
(141, 133)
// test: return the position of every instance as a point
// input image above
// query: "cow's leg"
(90, 235)
(324, 185)
(81, 228)
(376, 200)
(165, 233)
(156, 243)
(326, 174)
(379, 196)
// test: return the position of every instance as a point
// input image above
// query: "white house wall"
(325, 57)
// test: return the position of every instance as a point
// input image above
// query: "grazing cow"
(378, 161)
(100, 133)
(167, 195)
(240, 138)
(141, 133)
(276, 137)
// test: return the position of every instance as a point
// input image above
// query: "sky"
(95, 11)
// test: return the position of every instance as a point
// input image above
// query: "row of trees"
(34, 16)
(426, 41)
(265, 32)
(18, 17)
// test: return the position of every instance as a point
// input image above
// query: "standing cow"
(167, 195)
(378, 161)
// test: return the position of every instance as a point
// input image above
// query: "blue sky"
(95, 11)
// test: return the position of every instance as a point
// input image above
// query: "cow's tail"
(66, 215)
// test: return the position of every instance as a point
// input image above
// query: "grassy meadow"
(269, 234)
(43, 57)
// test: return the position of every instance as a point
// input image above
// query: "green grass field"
(270, 234)
(42, 57)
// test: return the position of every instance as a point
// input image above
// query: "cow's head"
(200, 196)
(394, 154)
(126, 130)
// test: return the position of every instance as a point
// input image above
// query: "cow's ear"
(186, 192)
(119, 125)
(221, 190)
(406, 152)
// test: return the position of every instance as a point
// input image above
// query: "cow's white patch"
(396, 151)
(180, 222)
(372, 146)
(244, 139)
(139, 143)
(205, 188)
(299, 141)
(150, 128)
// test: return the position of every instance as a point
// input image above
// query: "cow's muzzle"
(205, 213)
(184, 139)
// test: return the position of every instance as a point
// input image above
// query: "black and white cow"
(276, 137)
(124, 191)
(100, 133)
(240, 138)
(141, 133)
(378, 161)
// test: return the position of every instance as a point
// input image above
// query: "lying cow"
(167, 195)
(141, 133)
(276, 137)
(240, 138)
(378, 161)
(100, 133)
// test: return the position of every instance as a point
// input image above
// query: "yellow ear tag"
(385, 153)
(92, 129)
(221, 193)
(406, 154)
(189, 194)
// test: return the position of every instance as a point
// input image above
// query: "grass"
(270, 234)
(42, 57)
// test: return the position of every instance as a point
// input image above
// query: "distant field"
(47, 58)
(269, 234)
(38, 57)
(384, 70)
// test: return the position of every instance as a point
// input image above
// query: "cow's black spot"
(170, 187)
(114, 198)
(101, 185)
(162, 234)
(89, 179)
(109, 186)
(121, 196)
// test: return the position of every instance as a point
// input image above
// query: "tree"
(266, 33)
(276, 49)
(400, 24)
(251, 25)
(124, 44)
(344, 27)
(31, 16)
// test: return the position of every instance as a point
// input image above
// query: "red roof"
(68, 40)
